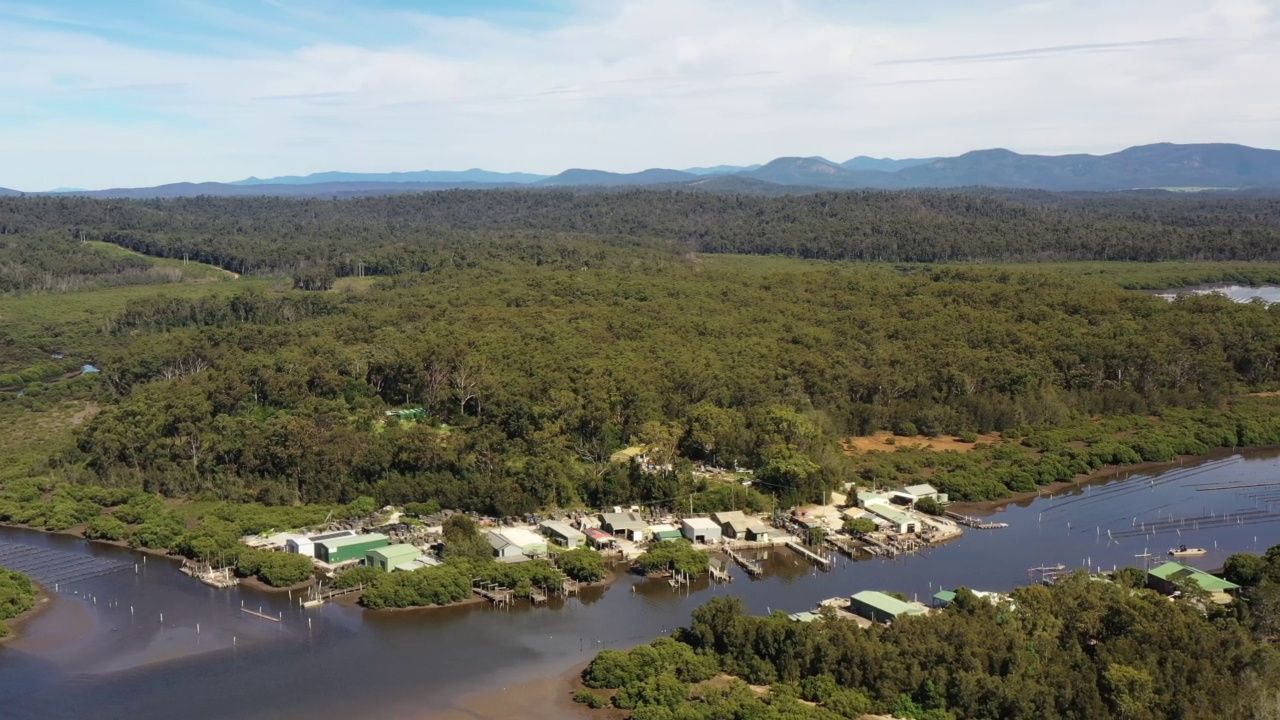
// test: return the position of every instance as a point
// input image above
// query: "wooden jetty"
(207, 574)
(257, 614)
(974, 522)
(806, 552)
(495, 594)
(317, 595)
(719, 572)
(1047, 574)
(846, 545)
(753, 568)
(537, 596)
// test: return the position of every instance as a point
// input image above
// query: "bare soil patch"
(888, 442)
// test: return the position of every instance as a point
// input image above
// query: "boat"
(1184, 551)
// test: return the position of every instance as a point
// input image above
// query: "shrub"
(582, 564)
(590, 699)
(105, 527)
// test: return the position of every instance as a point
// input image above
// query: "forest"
(1081, 648)
(17, 595)
(535, 347)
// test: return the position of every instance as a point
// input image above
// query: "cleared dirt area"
(887, 442)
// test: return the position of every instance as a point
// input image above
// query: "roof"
(598, 534)
(422, 561)
(887, 603)
(333, 535)
(699, 523)
(523, 537)
(627, 454)
(352, 540)
(564, 530)
(922, 489)
(1177, 571)
(624, 521)
(889, 513)
(758, 528)
(805, 616)
(729, 517)
(663, 528)
(394, 551)
(497, 542)
(945, 596)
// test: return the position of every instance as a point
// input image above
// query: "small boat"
(1184, 551)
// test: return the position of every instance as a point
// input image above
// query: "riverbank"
(43, 601)
(1102, 475)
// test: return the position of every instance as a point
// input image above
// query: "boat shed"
(303, 545)
(599, 539)
(898, 520)
(351, 547)
(664, 532)
(758, 531)
(1168, 576)
(562, 534)
(925, 490)
(529, 542)
(879, 607)
(732, 524)
(504, 550)
(422, 561)
(387, 558)
(701, 530)
(628, 525)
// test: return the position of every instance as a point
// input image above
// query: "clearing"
(888, 442)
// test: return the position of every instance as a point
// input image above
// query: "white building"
(701, 530)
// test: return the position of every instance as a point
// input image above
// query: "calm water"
(82, 659)
(1239, 293)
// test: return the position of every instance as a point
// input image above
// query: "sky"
(133, 93)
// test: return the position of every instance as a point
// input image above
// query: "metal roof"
(922, 489)
(887, 603)
(521, 537)
(700, 524)
(352, 540)
(333, 535)
(1178, 571)
(564, 530)
(624, 521)
(394, 552)
(598, 534)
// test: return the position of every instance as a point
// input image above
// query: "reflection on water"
(83, 659)
(1239, 293)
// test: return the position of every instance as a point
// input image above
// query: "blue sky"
(137, 92)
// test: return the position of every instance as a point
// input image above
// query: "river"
(101, 650)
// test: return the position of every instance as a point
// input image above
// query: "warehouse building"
(627, 525)
(732, 524)
(664, 532)
(387, 558)
(882, 608)
(303, 545)
(563, 534)
(508, 543)
(352, 547)
(1166, 578)
(599, 539)
(701, 530)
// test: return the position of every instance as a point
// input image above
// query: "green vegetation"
(1078, 649)
(546, 330)
(277, 569)
(17, 595)
(582, 564)
(678, 555)
(859, 526)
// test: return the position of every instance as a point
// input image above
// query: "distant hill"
(818, 172)
(653, 176)
(474, 175)
(721, 169)
(350, 189)
(862, 162)
(1164, 165)
(7, 192)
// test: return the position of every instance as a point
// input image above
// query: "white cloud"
(634, 84)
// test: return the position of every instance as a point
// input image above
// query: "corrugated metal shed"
(879, 607)
(387, 558)
(339, 550)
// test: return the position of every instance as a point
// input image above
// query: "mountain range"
(1163, 165)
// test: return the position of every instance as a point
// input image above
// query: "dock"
(806, 552)
(844, 544)
(719, 573)
(495, 594)
(974, 522)
(753, 567)
(257, 614)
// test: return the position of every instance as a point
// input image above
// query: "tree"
(1245, 569)
(582, 564)
(859, 526)
(929, 506)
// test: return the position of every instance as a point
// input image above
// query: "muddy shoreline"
(43, 601)
(546, 698)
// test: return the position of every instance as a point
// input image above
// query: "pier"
(806, 552)
(495, 594)
(753, 568)
(257, 614)
(846, 545)
(974, 522)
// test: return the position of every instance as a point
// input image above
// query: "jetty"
(974, 522)
(846, 545)
(257, 614)
(317, 595)
(1047, 574)
(753, 567)
(806, 552)
(207, 574)
(495, 594)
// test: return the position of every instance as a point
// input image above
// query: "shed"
(387, 558)
(758, 532)
(805, 616)
(733, 524)
(664, 532)
(924, 490)
(529, 542)
(351, 547)
(628, 525)
(1166, 577)
(626, 455)
(422, 561)
(899, 520)
(303, 545)
(562, 534)
(599, 539)
(504, 549)
(879, 607)
(701, 530)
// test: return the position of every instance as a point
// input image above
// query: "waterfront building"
(701, 530)
(732, 524)
(351, 547)
(879, 607)
(627, 525)
(303, 545)
(562, 534)
(387, 558)
(664, 532)
(1166, 578)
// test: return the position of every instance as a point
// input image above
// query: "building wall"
(344, 553)
(869, 612)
